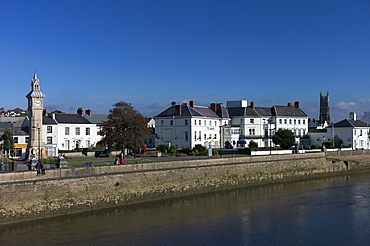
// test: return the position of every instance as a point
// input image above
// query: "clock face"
(37, 103)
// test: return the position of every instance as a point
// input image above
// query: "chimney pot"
(191, 104)
(173, 103)
(252, 105)
(297, 104)
(79, 111)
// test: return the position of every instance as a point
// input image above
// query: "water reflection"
(326, 211)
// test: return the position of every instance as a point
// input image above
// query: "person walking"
(37, 166)
(42, 168)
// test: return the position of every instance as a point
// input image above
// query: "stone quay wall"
(25, 196)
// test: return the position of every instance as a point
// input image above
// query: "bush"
(162, 148)
(315, 146)
(253, 145)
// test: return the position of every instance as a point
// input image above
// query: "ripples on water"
(331, 211)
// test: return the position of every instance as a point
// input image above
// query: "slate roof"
(186, 110)
(288, 111)
(96, 119)
(63, 118)
(263, 111)
(351, 123)
(15, 129)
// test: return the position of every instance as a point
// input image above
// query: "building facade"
(186, 125)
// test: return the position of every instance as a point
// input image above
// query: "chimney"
(252, 105)
(88, 112)
(352, 116)
(178, 109)
(297, 104)
(79, 111)
(213, 107)
(290, 104)
(191, 104)
(173, 103)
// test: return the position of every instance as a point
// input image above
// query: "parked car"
(88, 164)
(102, 153)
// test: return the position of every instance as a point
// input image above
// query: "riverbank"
(24, 196)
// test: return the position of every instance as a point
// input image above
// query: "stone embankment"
(25, 196)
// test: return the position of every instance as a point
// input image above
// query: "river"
(329, 211)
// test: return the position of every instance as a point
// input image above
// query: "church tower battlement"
(324, 108)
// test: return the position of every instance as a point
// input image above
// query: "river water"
(330, 211)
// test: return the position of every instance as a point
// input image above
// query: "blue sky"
(92, 54)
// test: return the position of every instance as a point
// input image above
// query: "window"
(186, 122)
(200, 122)
(66, 131)
(285, 121)
(77, 131)
(280, 121)
(210, 123)
(295, 121)
(195, 122)
(215, 136)
(299, 121)
(252, 132)
(195, 135)
(205, 136)
(49, 140)
(88, 143)
(251, 121)
(290, 121)
(304, 122)
(87, 130)
(49, 129)
(162, 122)
(15, 140)
(27, 139)
(171, 122)
(205, 122)
(186, 136)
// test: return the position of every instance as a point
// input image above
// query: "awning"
(20, 146)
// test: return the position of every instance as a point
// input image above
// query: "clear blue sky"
(92, 54)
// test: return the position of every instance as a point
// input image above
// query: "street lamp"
(39, 143)
(270, 129)
(221, 137)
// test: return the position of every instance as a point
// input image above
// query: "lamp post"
(39, 141)
(270, 129)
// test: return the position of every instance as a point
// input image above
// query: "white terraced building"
(234, 126)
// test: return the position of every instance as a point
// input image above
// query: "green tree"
(253, 145)
(123, 118)
(284, 138)
(8, 141)
(338, 142)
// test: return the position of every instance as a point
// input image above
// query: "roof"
(288, 111)
(96, 119)
(219, 111)
(263, 111)
(63, 118)
(351, 123)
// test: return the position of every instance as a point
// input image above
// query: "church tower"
(35, 109)
(324, 108)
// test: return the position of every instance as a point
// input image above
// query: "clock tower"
(35, 110)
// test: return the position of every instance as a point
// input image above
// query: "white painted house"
(352, 131)
(234, 126)
(259, 124)
(63, 131)
(186, 125)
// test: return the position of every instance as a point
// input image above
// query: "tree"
(8, 141)
(338, 142)
(253, 145)
(123, 118)
(284, 138)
